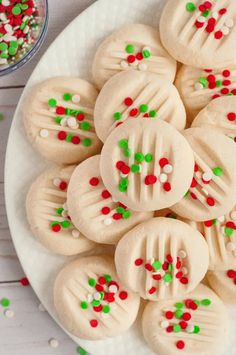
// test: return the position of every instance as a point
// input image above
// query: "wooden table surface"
(29, 331)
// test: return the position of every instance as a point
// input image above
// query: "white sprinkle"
(233, 215)
(230, 246)
(207, 176)
(123, 175)
(215, 15)
(3, 17)
(190, 328)
(198, 86)
(5, 2)
(168, 169)
(229, 23)
(113, 288)
(65, 207)
(163, 177)
(44, 133)
(25, 18)
(8, 28)
(97, 296)
(8, 37)
(161, 272)
(9, 313)
(222, 230)
(225, 30)
(108, 221)
(221, 218)
(164, 324)
(75, 99)
(114, 199)
(63, 122)
(56, 182)
(206, 193)
(105, 315)
(90, 297)
(184, 270)
(124, 64)
(41, 307)
(26, 29)
(64, 214)
(142, 66)
(54, 343)
(135, 63)
(52, 109)
(72, 122)
(75, 233)
(3, 61)
(182, 254)
(201, 19)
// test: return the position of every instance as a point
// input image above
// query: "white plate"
(70, 54)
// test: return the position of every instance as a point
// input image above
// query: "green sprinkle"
(170, 267)
(4, 55)
(229, 231)
(124, 182)
(143, 108)
(68, 111)
(117, 116)
(85, 126)
(55, 223)
(153, 113)
(96, 303)
(218, 83)
(16, 10)
(102, 295)
(5, 302)
(3, 46)
(127, 153)
(127, 214)
(230, 94)
(59, 210)
(86, 142)
(123, 143)
(203, 81)
(106, 309)
(190, 7)
(139, 157)
(177, 328)
(197, 302)
(12, 50)
(217, 171)
(23, 25)
(178, 314)
(24, 7)
(206, 302)
(135, 168)
(179, 305)
(214, 221)
(65, 224)
(69, 137)
(168, 277)
(146, 53)
(148, 158)
(186, 194)
(52, 102)
(14, 44)
(107, 278)
(84, 305)
(120, 210)
(58, 119)
(67, 96)
(122, 188)
(130, 48)
(157, 265)
(81, 351)
(206, 13)
(196, 329)
(92, 282)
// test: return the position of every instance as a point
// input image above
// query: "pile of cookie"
(144, 191)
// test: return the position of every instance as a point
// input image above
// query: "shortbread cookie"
(198, 87)
(133, 46)
(146, 164)
(213, 189)
(197, 324)
(159, 259)
(48, 216)
(90, 300)
(93, 210)
(200, 33)
(137, 94)
(224, 284)
(219, 115)
(58, 117)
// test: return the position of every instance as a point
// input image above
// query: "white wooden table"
(29, 331)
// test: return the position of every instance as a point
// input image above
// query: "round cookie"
(142, 164)
(159, 259)
(137, 94)
(213, 188)
(224, 284)
(48, 216)
(93, 210)
(219, 115)
(134, 46)
(90, 300)
(58, 118)
(200, 33)
(198, 87)
(197, 324)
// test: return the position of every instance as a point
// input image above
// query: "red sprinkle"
(120, 164)
(123, 295)
(102, 280)
(186, 316)
(184, 280)
(199, 24)
(98, 308)
(99, 288)
(167, 186)
(80, 116)
(106, 194)
(183, 324)
(131, 59)
(194, 183)
(63, 185)
(231, 116)
(128, 101)
(93, 323)
(148, 267)
(61, 135)
(165, 266)
(60, 110)
(230, 224)
(133, 112)
(169, 258)
(56, 228)
(215, 96)
(218, 34)
(125, 169)
(150, 180)
(212, 85)
(210, 201)
(169, 329)
(179, 275)
(139, 56)
(169, 315)
(192, 194)
(231, 274)
(94, 181)
(195, 168)
(180, 344)
(152, 290)
(211, 78)
(105, 210)
(138, 262)
(163, 162)
(226, 82)
(117, 216)
(156, 277)
(233, 91)
(222, 11)
(224, 91)
(208, 4)
(226, 73)
(75, 140)
(208, 223)
(24, 281)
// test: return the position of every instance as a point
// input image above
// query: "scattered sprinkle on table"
(54, 343)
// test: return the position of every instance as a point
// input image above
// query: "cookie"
(134, 46)
(213, 188)
(198, 87)
(90, 300)
(224, 284)
(137, 94)
(92, 208)
(159, 259)
(200, 33)
(146, 164)
(48, 216)
(58, 118)
(195, 324)
(219, 115)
